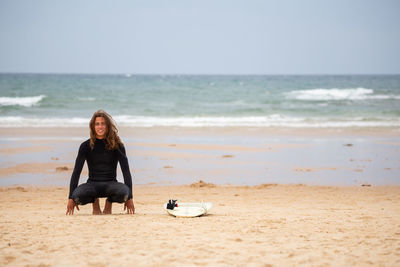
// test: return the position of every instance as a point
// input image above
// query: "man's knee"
(120, 194)
(77, 201)
(82, 200)
(82, 197)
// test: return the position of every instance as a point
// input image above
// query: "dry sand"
(266, 225)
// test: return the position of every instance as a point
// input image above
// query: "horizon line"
(199, 74)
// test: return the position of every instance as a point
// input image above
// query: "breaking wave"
(337, 94)
(275, 120)
(27, 101)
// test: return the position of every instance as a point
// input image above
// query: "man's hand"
(70, 207)
(129, 207)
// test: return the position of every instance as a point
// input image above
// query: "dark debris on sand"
(201, 183)
(61, 169)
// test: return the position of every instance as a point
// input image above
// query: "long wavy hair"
(112, 140)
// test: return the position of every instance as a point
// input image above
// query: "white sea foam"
(86, 98)
(256, 121)
(27, 101)
(17, 121)
(275, 120)
(337, 94)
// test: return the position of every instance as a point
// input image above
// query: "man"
(102, 152)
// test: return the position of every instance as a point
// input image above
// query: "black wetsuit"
(102, 182)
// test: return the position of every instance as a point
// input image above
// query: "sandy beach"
(281, 197)
(266, 225)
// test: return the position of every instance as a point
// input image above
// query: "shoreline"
(169, 130)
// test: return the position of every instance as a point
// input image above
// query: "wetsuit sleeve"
(123, 162)
(80, 160)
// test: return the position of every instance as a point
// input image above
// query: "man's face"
(100, 127)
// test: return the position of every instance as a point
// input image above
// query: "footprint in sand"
(9, 259)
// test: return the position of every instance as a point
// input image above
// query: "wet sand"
(245, 156)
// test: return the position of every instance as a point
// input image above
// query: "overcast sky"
(201, 37)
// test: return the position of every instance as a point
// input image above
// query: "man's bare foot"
(96, 207)
(107, 208)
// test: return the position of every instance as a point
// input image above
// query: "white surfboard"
(189, 209)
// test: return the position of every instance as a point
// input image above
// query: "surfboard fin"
(172, 204)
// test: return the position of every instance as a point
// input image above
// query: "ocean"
(69, 100)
